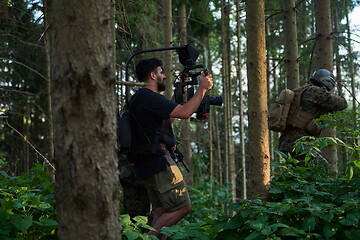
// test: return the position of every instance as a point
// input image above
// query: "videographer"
(154, 142)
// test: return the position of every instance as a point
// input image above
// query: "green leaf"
(274, 227)
(292, 231)
(3, 216)
(4, 174)
(42, 206)
(234, 222)
(168, 231)
(16, 203)
(5, 228)
(351, 219)
(125, 220)
(266, 230)
(23, 223)
(357, 163)
(46, 222)
(309, 223)
(252, 236)
(5, 238)
(352, 234)
(257, 225)
(327, 216)
(131, 235)
(328, 231)
(141, 220)
(350, 172)
(179, 235)
(276, 189)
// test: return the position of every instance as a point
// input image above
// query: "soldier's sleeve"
(328, 100)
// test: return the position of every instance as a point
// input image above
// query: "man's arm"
(185, 110)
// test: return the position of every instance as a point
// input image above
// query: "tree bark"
(219, 163)
(186, 130)
(84, 120)
(241, 105)
(351, 68)
(230, 156)
(258, 110)
(50, 133)
(324, 56)
(168, 43)
(291, 45)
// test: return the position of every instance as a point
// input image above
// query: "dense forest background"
(226, 152)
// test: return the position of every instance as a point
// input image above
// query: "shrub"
(27, 206)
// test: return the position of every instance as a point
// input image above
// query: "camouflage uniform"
(316, 101)
(135, 198)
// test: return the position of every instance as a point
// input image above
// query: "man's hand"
(185, 111)
(206, 82)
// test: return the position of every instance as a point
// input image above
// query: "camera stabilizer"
(187, 57)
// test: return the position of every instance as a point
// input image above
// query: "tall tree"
(351, 64)
(241, 104)
(258, 110)
(84, 107)
(291, 45)
(185, 130)
(226, 69)
(50, 134)
(168, 43)
(324, 57)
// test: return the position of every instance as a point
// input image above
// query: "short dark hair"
(145, 66)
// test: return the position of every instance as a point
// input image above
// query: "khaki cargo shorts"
(167, 188)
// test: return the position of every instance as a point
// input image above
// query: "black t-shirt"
(151, 110)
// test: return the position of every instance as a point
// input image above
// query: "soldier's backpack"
(279, 110)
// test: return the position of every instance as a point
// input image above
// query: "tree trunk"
(213, 161)
(186, 130)
(324, 56)
(168, 43)
(50, 134)
(258, 110)
(219, 162)
(230, 156)
(241, 105)
(338, 61)
(351, 68)
(84, 120)
(291, 45)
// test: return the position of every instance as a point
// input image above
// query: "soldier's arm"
(328, 100)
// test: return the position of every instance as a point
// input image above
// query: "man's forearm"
(194, 103)
(187, 109)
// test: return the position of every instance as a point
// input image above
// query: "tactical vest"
(301, 119)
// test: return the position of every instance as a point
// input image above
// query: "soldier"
(310, 102)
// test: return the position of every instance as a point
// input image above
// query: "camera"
(187, 57)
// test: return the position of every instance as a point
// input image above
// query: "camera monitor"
(188, 55)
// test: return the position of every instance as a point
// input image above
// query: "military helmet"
(323, 77)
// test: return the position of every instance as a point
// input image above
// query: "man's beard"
(161, 85)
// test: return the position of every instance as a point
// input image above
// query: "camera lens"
(216, 100)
